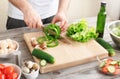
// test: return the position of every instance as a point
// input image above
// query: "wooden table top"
(84, 71)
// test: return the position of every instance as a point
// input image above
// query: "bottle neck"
(103, 9)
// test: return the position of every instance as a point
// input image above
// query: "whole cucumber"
(107, 46)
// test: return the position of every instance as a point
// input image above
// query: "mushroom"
(34, 42)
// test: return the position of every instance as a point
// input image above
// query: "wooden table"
(84, 71)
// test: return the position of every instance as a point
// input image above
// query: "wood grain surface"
(68, 54)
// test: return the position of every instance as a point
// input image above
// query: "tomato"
(12, 75)
(2, 76)
(116, 66)
(109, 61)
(2, 66)
(104, 69)
(117, 71)
(8, 69)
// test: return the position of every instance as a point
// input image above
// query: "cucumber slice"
(111, 69)
(114, 62)
(43, 62)
(118, 63)
(102, 64)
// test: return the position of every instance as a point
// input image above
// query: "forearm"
(63, 4)
(23, 5)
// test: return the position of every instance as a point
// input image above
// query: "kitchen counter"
(84, 71)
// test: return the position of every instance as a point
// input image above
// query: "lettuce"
(80, 32)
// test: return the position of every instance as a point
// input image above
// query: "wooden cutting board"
(68, 54)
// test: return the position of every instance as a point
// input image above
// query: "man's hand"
(60, 17)
(32, 19)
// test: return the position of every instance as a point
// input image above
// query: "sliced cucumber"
(102, 64)
(114, 62)
(111, 69)
(119, 63)
(43, 62)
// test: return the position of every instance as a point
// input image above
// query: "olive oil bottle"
(101, 19)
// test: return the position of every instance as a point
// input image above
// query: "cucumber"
(111, 69)
(107, 46)
(43, 62)
(43, 55)
(102, 64)
(113, 62)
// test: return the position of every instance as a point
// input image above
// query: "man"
(35, 13)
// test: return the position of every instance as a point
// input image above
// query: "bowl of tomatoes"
(9, 71)
(110, 66)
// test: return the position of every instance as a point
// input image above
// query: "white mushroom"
(3, 44)
(10, 50)
(29, 64)
(1, 51)
(11, 44)
(26, 70)
(34, 42)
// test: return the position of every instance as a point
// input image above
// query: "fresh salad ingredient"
(43, 62)
(43, 55)
(7, 72)
(29, 67)
(7, 46)
(110, 66)
(52, 33)
(116, 30)
(80, 32)
(52, 30)
(107, 46)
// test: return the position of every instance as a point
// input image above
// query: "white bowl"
(16, 68)
(7, 55)
(115, 38)
(32, 75)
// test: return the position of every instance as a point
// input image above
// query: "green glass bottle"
(101, 19)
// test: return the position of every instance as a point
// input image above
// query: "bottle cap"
(103, 3)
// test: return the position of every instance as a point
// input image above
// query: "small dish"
(29, 70)
(16, 68)
(8, 54)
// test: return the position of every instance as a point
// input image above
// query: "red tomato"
(109, 61)
(8, 69)
(116, 66)
(2, 66)
(104, 69)
(2, 76)
(117, 71)
(12, 75)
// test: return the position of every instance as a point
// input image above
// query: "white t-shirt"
(45, 8)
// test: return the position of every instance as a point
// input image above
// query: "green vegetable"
(116, 30)
(102, 64)
(107, 46)
(111, 69)
(53, 43)
(52, 30)
(114, 62)
(43, 62)
(43, 55)
(80, 32)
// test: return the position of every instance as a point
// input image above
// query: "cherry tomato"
(104, 69)
(117, 71)
(2, 76)
(12, 75)
(116, 66)
(109, 61)
(2, 66)
(8, 70)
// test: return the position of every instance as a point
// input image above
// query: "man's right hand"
(32, 19)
